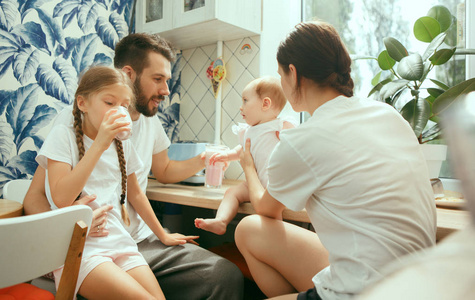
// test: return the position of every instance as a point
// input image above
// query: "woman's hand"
(246, 160)
(110, 127)
(173, 239)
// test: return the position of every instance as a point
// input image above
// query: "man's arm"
(171, 171)
(35, 199)
(36, 202)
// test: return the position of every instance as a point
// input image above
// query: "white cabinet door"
(188, 12)
(154, 15)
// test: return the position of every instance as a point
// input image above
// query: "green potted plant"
(404, 75)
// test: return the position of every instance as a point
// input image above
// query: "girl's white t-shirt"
(357, 168)
(148, 138)
(104, 181)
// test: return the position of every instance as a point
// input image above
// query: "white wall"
(278, 18)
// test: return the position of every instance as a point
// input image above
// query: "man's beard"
(141, 103)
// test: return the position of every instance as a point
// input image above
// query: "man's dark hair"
(133, 50)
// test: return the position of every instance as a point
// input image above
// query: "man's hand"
(99, 217)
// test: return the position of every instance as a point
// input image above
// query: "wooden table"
(10, 208)
(200, 196)
(448, 220)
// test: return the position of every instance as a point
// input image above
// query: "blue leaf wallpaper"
(44, 45)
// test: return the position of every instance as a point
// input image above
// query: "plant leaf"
(435, 93)
(417, 113)
(436, 42)
(432, 133)
(385, 61)
(51, 29)
(9, 14)
(25, 64)
(389, 89)
(411, 67)
(440, 84)
(442, 15)
(426, 29)
(41, 117)
(25, 162)
(442, 56)
(102, 59)
(378, 86)
(395, 49)
(112, 30)
(87, 15)
(6, 140)
(20, 108)
(376, 78)
(58, 81)
(84, 52)
(26, 5)
(33, 34)
(453, 94)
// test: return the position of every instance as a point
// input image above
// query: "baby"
(262, 101)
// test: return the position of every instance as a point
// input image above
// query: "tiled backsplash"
(197, 109)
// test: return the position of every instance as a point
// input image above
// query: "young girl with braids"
(87, 159)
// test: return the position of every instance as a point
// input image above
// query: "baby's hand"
(218, 157)
(173, 239)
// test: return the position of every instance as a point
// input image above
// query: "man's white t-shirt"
(357, 168)
(104, 181)
(148, 138)
(263, 140)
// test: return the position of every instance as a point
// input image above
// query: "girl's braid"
(120, 153)
(78, 130)
(79, 134)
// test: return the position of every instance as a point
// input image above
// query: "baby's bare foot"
(212, 225)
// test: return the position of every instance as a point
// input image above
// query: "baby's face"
(251, 108)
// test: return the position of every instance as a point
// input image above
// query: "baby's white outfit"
(105, 182)
(263, 141)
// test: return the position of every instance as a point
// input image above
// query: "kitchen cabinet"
(188, 23)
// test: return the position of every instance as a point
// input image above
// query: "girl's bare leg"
(147, 279)
(282, 257)
(227, 210)
(108, 281)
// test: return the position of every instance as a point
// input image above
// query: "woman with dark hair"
(354, 165)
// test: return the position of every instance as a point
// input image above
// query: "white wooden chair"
(16, 189)
(34, 245)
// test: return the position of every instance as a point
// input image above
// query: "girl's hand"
(109, 128)
(173, 239)
(245, 158)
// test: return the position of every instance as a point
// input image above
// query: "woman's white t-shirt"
(104, 181)
(356, 167)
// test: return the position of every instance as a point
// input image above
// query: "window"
(363, 24)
